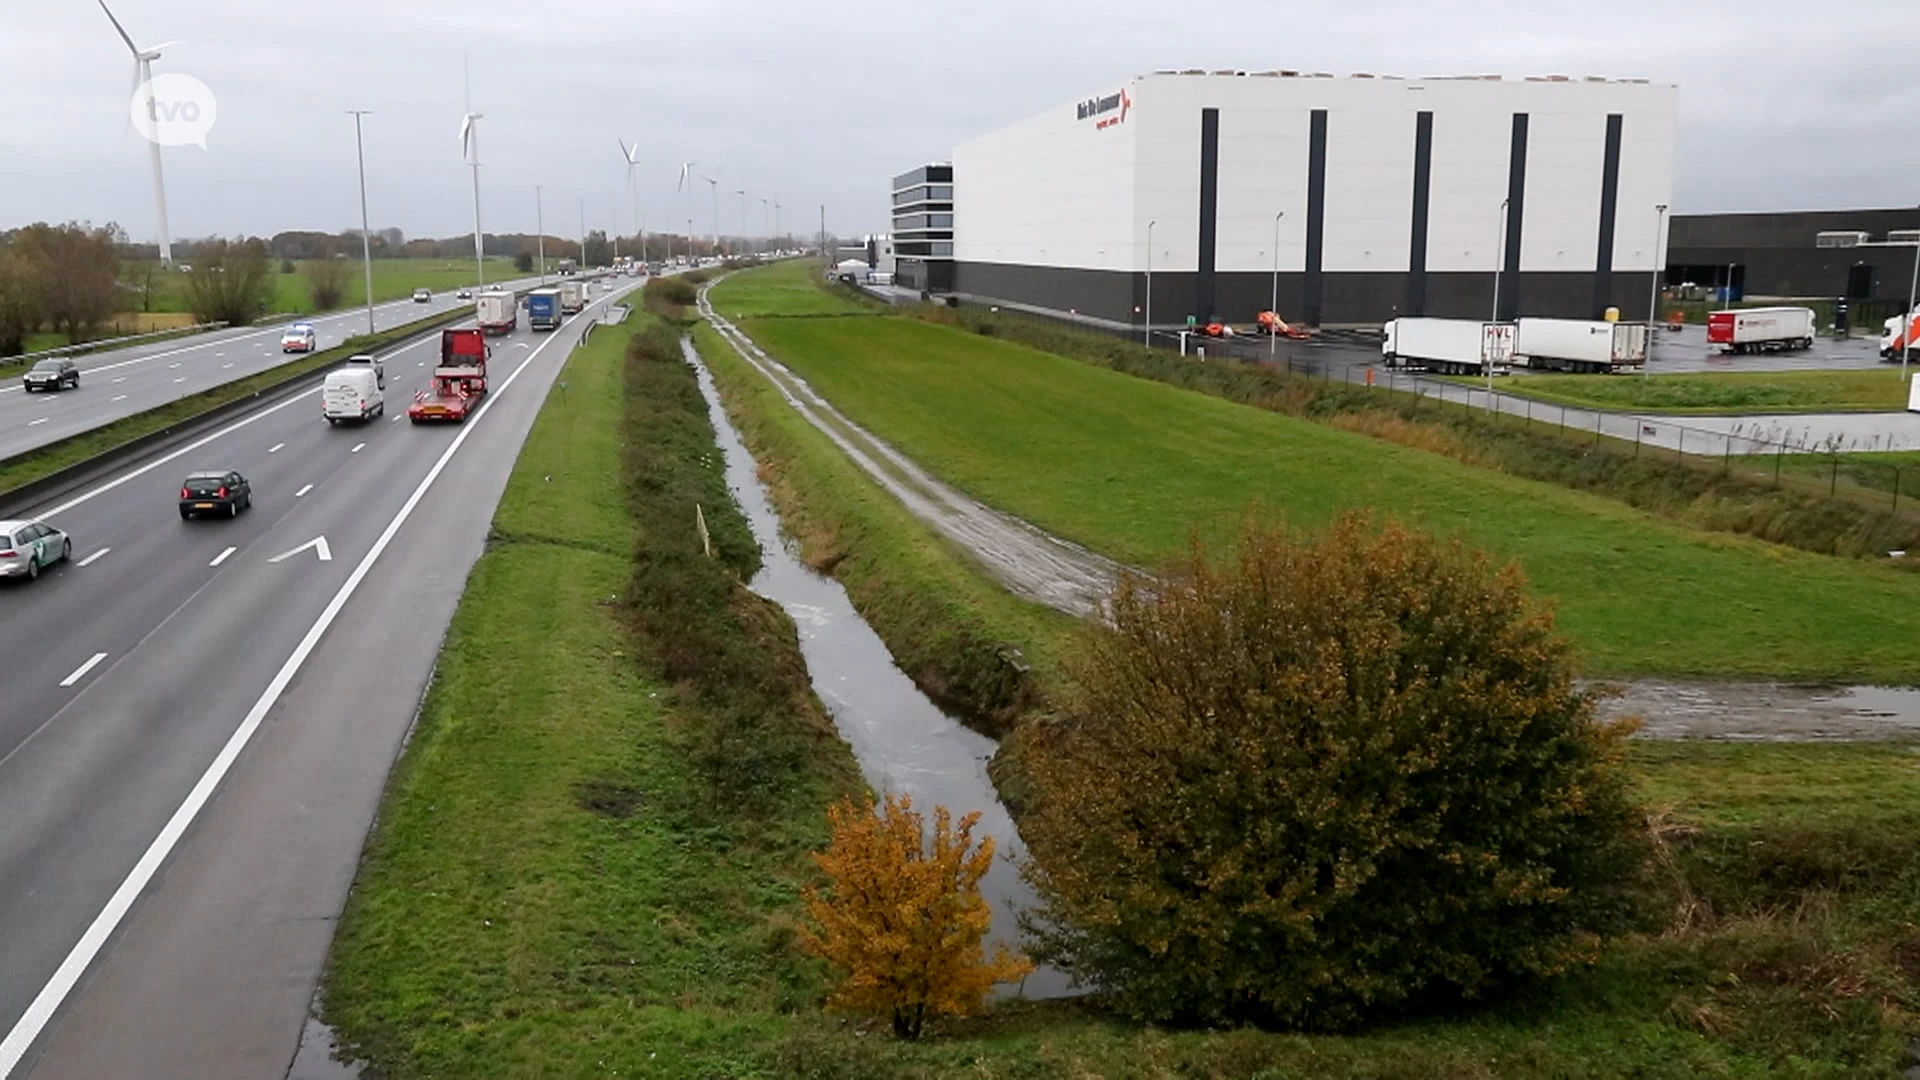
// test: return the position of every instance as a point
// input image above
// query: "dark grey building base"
(1366, 299)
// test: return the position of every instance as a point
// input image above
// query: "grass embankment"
(789, 289)
(1722, 393)
(1133, 468)
(548, 893)
(22, 469)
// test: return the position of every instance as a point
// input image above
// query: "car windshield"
(47, 365)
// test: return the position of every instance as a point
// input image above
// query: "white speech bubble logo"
(173, 110)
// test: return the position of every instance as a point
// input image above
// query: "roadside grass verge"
(1721, 393)
(982, 653)
(786, 289)
(22, 469)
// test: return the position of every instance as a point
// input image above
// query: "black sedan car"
(55, 374)
(222, 494)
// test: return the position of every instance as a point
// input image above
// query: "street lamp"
(1653, 289)
(1499, 262)
(1906, 329)
(743, 214)
(1146, 332)
(366, 242)
(540, 223)
(1273, 305)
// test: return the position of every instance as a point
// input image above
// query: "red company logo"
(1100, 106)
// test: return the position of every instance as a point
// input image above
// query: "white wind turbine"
(714, 183)
(632, 154)
(143, 77)
(686, 185)
(470, 152)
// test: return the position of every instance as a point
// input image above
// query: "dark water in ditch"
(902, 740)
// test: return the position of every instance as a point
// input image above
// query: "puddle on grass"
(1764, 712)
(314, 1060)
(903, 742)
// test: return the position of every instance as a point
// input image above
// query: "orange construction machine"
(1273, 325)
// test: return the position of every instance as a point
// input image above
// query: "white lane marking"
(357, 447)
(182, 378)
(318, 544)
(397, 418)
(122, 378)
(81, 671)
(195, 445)
(36, 423)
(173, 365)
(122, 397)
(93, 558)
(303, 491)
(80, 957)
(226, 365)
(276, 448)
(222, 557)
(218, 355)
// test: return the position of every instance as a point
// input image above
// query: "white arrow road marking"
(93, 558)
(303, 491)
(222, 557)
(318, 544)
(81, 671)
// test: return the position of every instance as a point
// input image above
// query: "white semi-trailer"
(1761, 329)
(1446, 346)
(1587, 346)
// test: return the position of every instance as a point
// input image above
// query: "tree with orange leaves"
(905, 923)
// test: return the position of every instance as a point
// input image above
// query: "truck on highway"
(1586, 346)
(496, 313)
(573, 297)
(459, 379)
(1761, 329)
(1897, 333)
(1446, 346)
(567, 268)
(543, 309)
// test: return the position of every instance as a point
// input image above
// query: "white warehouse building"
(1388, 197)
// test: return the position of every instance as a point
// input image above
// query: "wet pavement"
(902, 741)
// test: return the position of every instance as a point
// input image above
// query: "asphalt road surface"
(118, 383)
(197, 719)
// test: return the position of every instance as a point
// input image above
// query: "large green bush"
(1322, 781)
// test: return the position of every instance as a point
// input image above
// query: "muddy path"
(1067, 577)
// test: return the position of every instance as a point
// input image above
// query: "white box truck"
(351, 393)
(1761, 329)
(1587, 346)
(496, 312)
(573, 296)
(1446, 346)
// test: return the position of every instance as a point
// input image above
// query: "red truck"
(459, 380)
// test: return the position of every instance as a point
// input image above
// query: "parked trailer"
(1446, 346)
(1754, 330)
(1897, 333)
(1585, 346)
(496, 312)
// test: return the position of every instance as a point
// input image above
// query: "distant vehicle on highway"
(374, 364)
(28, 547)
(463, 294)
(422, 296)
(299, 337)
(223, 494)
(58, 373)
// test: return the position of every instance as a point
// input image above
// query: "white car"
(422, 296)
(299, 338)
(27, 547)
(378, 365)
(463, 294)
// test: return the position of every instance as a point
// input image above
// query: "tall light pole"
(1653, 289)
(540, 223)
(1273, 306)
(1499, 262)
(742, 192)
(776, 221)
(766, 220)
(366, 240)
(1906, 330)
(1146, 331)
(583, 233)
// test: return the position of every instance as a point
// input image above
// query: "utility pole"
(583, 234)
(540, 223)
(366, 240)
(823, 236)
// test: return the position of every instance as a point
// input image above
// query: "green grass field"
(1866, 390)
(785, 288)
(393, 279)
(1133, 468)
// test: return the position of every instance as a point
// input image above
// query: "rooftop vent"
(1839, 239)
(1903, 236)
(1361, 75)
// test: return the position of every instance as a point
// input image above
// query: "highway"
(120, 382)
(197, 719)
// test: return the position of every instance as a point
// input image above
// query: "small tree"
(1322, 780)
(523, 262)
(904, 923)
(326, 283)
(20, 308)
(231, 282)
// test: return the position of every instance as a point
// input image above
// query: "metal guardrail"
(112, 343)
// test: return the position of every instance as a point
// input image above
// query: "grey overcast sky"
(1783, 105)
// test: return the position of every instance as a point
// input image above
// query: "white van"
(351, 393)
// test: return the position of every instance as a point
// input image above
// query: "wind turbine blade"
(135, 49)
(153, 53)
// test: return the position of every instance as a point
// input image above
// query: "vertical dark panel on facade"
(1609, 200)
(1314, 292)
(1516, 198)
(1209, 211)
(1422, 183)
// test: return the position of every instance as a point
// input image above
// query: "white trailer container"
(1588, 346)
(573, 296)
(496, 312)
(1761, 329)
(1447, 346)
